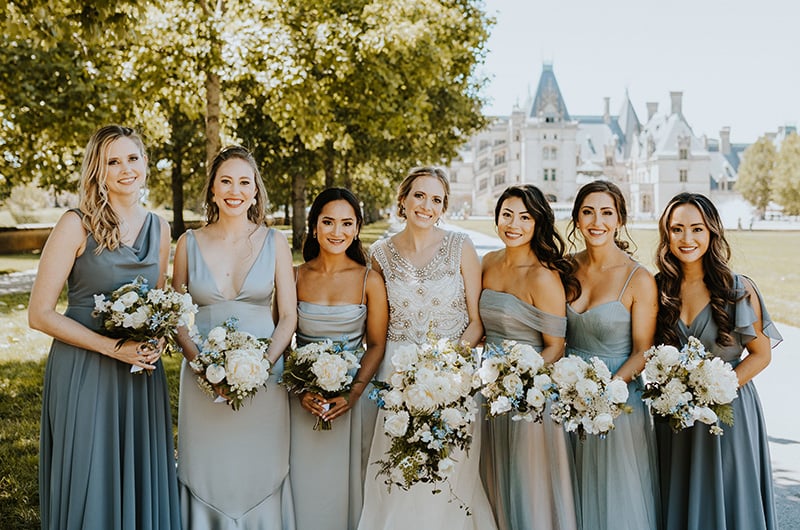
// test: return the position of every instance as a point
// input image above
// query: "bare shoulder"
(643, 282)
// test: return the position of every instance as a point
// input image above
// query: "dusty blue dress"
(527, 468)
(721, 482)
(233, 466)
(106, 457)
(617, 476)
(327, 467)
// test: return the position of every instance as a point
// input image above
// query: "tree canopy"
(755, 175)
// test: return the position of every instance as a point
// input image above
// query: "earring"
(401, 211)
(314, 235)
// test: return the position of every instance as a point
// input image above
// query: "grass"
(18, 262)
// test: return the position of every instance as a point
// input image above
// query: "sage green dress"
(527, 468)
(106, 458)
(327, 467)
(233, 466)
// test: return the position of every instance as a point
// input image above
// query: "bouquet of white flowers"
(588, 399)
(430, 408)
(514, 377)
(325, 368)
(232, 364)
(687, 386)
(137, 312)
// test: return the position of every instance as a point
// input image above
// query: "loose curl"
(717, 276)
(99, 218)
(546, 243)
(426, 171)
(311, 246)
(256, 213)
(613, 191)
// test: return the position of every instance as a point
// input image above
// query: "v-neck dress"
(721, 482)
(617, 475)
(106, 457)
(233, 466)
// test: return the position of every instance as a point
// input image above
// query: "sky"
(737, 62)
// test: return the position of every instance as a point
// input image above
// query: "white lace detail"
(424, 299)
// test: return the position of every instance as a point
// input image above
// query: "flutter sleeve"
(746, 315)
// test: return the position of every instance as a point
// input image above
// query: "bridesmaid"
(338, 297)
(527, 468)
(233, 466)
(613, 318)
(708, 481)
(106, 457)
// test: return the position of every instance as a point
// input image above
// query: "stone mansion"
(542, 144)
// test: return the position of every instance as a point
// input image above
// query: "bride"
(433, 281)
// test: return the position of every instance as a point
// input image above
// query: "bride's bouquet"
(588, 400)
(232, 364)
(688, 385)
(430, 410)
(514, 377)
(137, 312)
(324, 367)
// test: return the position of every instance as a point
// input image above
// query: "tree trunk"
(213, 89)
(329, 167)
(298, 208)
(346, 181)
(178, 225)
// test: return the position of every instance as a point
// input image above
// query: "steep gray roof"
(629, 124)
(548, 102)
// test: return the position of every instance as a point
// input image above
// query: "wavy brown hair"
(613, 191)
(99, 218)
(546, 243)
(717, 276)
(426, 171)
(257, 213)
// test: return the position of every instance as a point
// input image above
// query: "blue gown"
(618, 475)
(527, 468)
(106, 457)
(721, 482)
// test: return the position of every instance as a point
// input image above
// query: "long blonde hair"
(99, 217)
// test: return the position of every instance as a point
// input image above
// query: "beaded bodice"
(430, 298)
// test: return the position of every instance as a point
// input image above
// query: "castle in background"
(542, 144)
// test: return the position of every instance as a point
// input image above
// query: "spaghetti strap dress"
(527, 468)
(722, 482)
(327, 467)
(617, 475)
(233, 466)
(106, 457)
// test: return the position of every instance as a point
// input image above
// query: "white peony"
(586, 388)
(542, 381)
(452, 417)
(618, 391)
(603, 422)
(118, 306)
(331, 371)
(129, 298)
(393, 399)
(418, 398)
(535, 398)
(397, 380)
(136, 319)
(245, 370)
(567, 370)
(404, 357)
(217, 336)
(215, 373)
(529, 359)
(500, 405)
(396, 423)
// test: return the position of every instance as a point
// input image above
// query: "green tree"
(786, 182)
(755, 176)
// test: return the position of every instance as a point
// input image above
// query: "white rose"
(136, 319)
(100, 303)
(452, 418)
(215, 373)
(217, 335)
(396, 424)
(488, 372)
(529, 360)
(602, 422)
(118, 306)
(512, 383)
(567, 370)
(618, 391)
(586, 388)
(704, 414)
(397, 380)
(500, 406)
(542, 381)
(446, 466)
(393, 399)
(535, 398)
(601, 369)
(129, 298)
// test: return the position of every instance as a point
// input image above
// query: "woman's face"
(598, 219)
(515, 223)
(234, 188)
(336, 227)
(126, 167)
(424, 203)
(689, 236)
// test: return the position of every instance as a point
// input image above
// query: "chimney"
(652, 108)
(676, 98)
(725, 140)
(606, 114)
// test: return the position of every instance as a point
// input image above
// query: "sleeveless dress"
(617, 476)
(527, 468)
(431, 297)
(327, 467)
(721, 482)
(233, 466)
(106, 457)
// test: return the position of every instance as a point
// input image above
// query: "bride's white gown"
(424, 299)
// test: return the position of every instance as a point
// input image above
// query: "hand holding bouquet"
(514, 377)
(430, 410)
(588, 399)
(232, 365)
(325, 368)
(688, 385)
(138, 313)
